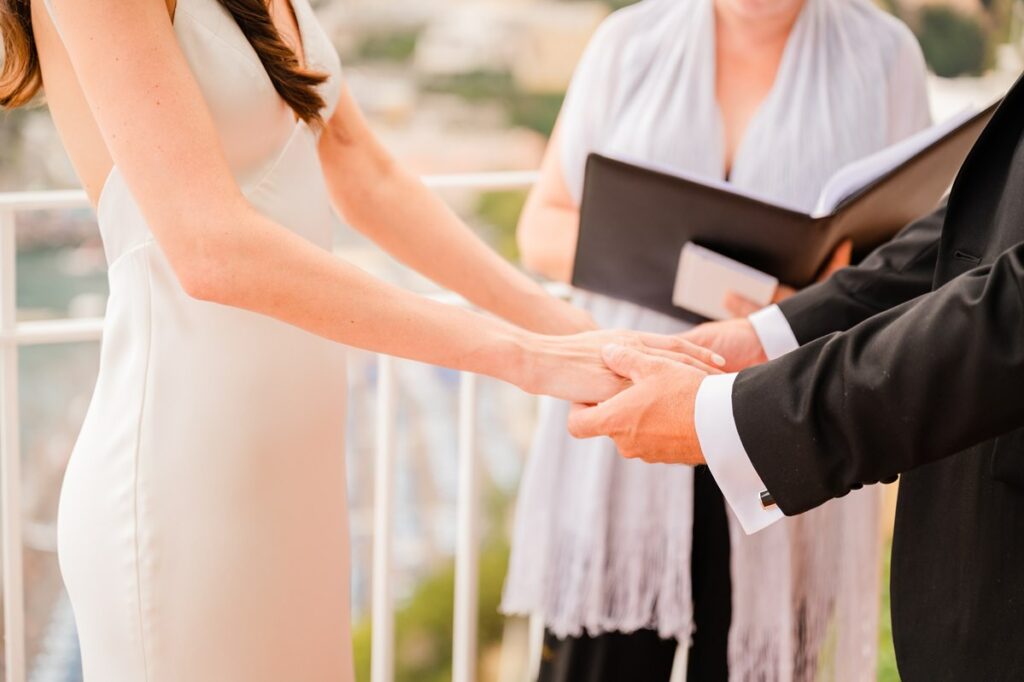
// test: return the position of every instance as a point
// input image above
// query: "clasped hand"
(652, 418)
(572, 367)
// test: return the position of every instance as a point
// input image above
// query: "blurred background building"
(451, 86)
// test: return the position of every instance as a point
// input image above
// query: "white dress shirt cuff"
(773, 329)
(725, 455)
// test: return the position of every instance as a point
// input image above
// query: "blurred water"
(55, 384)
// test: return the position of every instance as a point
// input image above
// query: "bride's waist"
(151, 321)
(228, 372)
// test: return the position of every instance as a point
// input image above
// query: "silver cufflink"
(767, 501)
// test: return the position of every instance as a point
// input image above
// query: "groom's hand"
(572, 368)
(653, 418)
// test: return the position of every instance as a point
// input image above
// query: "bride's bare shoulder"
(66, 101)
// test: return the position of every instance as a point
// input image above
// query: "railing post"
(382, 650)
(467, 548)
(10, 459)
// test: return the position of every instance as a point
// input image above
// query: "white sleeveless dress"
(202, 524)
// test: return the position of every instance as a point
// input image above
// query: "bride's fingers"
(678, 344)
(684, 358)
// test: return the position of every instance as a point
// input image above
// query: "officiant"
(622, 560)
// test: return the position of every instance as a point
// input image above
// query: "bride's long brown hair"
(21, 79)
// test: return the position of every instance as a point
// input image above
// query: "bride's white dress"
(203, 530)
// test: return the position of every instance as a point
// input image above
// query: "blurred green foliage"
(619, 4)
(1001, 19)
(397, 46)
(886, 656)
(954, 43)
(536, 111)
(889, 6)
(500, 212)
(423, 625)
(475, 86)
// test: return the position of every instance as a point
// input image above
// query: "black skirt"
(643, 655)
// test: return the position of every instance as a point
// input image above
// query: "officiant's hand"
(572, 367)
(741, 306)
(653, 418)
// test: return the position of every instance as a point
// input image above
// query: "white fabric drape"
(603, 544)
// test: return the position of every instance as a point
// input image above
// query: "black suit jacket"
(912, 363)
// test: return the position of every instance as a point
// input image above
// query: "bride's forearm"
(277, 273)
(412, 223)
(392, 206)
(253, 263)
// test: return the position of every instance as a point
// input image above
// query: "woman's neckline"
(728, 166)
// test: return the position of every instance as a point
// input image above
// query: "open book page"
(853, 177)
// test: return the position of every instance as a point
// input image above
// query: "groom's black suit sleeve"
(920, 381)
(896, 272)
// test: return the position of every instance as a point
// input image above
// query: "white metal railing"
(15, 335)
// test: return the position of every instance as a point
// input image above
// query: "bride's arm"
(153, 119)
(392, 207)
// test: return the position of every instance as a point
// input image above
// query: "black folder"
(635, 220)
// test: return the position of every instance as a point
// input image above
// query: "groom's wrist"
(726, 456)
(773, 332)
(692, 435)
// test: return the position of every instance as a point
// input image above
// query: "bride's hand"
(571, 368)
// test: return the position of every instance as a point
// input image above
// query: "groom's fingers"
(630, 363)
(739, 305)
(589, 421)
(678, 344)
